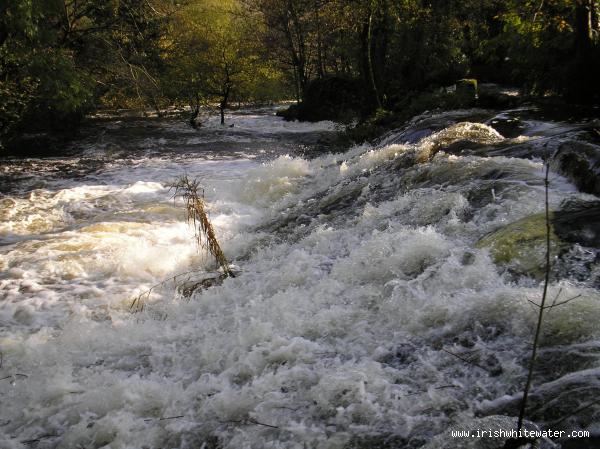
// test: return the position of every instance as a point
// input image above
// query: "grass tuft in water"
(193, 196)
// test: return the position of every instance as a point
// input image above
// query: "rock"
(580, 162)
(555, 401)
(495, 96)
(509, 126)
(466, 89)
(579, 222)
(581, 443)
(577, 160)
(522, 245)
(189, 287)
(490, 423)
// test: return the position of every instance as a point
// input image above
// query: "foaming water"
(360, 276)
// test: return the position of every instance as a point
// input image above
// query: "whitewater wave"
(360, 278)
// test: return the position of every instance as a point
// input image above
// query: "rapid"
(383, 293)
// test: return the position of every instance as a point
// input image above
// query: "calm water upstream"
(359, 274)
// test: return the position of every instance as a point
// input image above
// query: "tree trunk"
(224, 100)
(370, 54)
(584, 13)
(320, 65)
(582, 82)
(296, 84)
(195, 106)
(297, 42)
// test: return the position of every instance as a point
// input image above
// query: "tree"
(214, 56)
(59, 57)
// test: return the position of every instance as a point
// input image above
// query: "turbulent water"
(365, 313)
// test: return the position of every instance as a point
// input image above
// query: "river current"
(368, 311)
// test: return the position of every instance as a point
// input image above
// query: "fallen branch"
(138, 301)
(166, 418)
(470, 362)
(251, 421)
(15, 375)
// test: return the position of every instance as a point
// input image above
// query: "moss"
(522, 245)
(467, 87)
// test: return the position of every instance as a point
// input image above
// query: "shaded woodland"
(62, 59)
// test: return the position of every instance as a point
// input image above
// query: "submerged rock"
(507, 125)
(572, 150)
(504, 425)
(463, 133)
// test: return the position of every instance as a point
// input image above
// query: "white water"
(332, 336)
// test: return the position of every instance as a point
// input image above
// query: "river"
(378, 298)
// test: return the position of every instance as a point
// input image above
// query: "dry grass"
(193, 197)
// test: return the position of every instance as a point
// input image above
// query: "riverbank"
(363, 125)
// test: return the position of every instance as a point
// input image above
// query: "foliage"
(215, 57)
(58, 57)
(62, 58)
(396, 47)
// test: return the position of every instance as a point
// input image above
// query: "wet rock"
(579, 222)
(340, 200)
(572, 149)
(580, 162)
(24, 315)
(522, 245)
(462, 146)
(425, 125)
(102, 313)
(189, 287)
(490, 423)
(466, 89)
(555, 362)
(456, 139)
(510, 127)
(384, 441)
(401, 355)
(581, 443)
(555, 401)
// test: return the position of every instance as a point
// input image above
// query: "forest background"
(339, 59)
